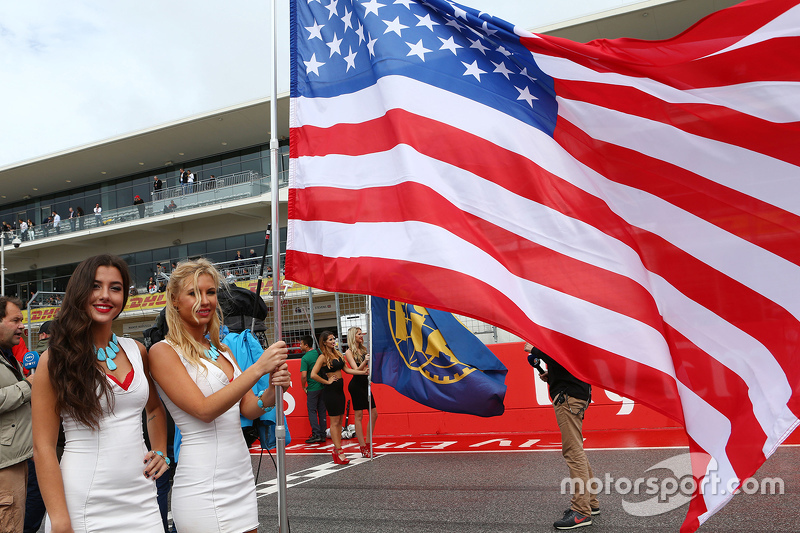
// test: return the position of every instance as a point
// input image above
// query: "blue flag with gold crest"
(430, 357)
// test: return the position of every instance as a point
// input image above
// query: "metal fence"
(181, 198)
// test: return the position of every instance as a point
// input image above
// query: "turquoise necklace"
(108, 353)
(212, 353)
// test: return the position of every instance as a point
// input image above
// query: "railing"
(189, 196)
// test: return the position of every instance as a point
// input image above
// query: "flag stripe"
(712, 159)
(746, 98)
(369, 138)
(741, 305)
(409, 201)
(700, 119)
(710, 71)
(732, 211)
(404, 277)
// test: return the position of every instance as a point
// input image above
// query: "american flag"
(629, 207)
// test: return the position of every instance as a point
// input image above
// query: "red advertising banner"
(528, 407)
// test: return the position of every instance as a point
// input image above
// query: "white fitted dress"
(213, 490)
(103, 470)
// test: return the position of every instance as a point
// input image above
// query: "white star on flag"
(472, 69)
(313, 65)
(395, 26)
(418, 50)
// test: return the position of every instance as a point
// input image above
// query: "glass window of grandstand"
(144, 265)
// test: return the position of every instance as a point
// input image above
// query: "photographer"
(571, 398)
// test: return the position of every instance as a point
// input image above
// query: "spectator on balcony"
(46, 226)
(190, 180)
(56, 222)
(171, 207)
(23, 230)
(31, 230)
(80, 212)
(183, 176)
(238, 256)
(212, 182)
(157, 185)
(98, 214)
(139, 203)
(71, 219)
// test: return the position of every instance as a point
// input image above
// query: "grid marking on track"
(265, 488)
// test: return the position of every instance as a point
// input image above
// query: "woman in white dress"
(205, 391)
(98, 385)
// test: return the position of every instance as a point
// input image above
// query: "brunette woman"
(97, 384)
(358, 360)
(328, 371)
(205, 391)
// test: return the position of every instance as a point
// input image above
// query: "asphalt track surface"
(491, 492)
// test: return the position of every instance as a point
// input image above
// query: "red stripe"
(423, 285)
(682, 61)
(729, 299)
(706, 120)
(522, 258)
(697, 505)
(715, 383)
(760, 223)
(726, 392)
(715, 71)
(764, 320)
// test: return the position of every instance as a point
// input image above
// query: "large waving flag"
(430, 357)
(631, 207)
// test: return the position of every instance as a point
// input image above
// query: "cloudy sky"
(83, 71)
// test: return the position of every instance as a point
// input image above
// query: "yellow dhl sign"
(145, 302)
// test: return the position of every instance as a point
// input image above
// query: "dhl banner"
(146, 302)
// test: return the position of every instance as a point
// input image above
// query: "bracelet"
(161, 454)
(261, 404)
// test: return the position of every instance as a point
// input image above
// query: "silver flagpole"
(280, 423)
(369, 377)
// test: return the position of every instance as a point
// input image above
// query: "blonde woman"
(205, 391)
(328, 371)
(358, 359)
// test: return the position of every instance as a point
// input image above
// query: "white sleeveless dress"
(103, 470)
(213, 490)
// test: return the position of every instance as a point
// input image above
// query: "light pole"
(2, 263)
(16, 242)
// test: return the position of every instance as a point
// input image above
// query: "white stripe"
(678, 227)
(726, 164)
(784, 25)
(730, 346)
(741, 260)
(711, 431)
(435, 246)
(768, 388)
(775, 101)
(469, 192)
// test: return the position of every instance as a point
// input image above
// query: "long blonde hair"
(190, 271)
(358, 348)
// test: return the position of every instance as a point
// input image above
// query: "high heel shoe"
(339, 457)
(365, 452)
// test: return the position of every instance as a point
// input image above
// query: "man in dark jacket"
(571, 398)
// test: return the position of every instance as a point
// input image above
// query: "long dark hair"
(77, 380)
(330, 354)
